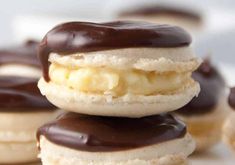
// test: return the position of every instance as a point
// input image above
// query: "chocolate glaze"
(104, 134)
(21, 94)
(163, 10)
(25, 54)
(212, 87)
(74, 37)
(231, 98)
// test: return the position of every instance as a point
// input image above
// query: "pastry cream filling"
(117, 82)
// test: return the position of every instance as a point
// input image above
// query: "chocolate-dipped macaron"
(228, 128)
(125, 68)
(165, 14)
(22, 107)
(204, 115)
(20, 60)
(79, 139)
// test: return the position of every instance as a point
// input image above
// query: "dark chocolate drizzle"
(75, 37)
(231, 98)
(24, 54)
(155, 10)
(21, 94)
(212, 87)
(105, 134)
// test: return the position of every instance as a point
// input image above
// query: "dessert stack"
(205, 114)
(22, 107)
(117, 80)
(190, 19)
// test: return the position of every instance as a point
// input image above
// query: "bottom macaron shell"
(18, 152)
(18, 135)
(173, 152)
(125, 106)
(205, 133)
(206, 129)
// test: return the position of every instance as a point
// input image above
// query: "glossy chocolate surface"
(231, 98)
(105, 134)
(157, 10)
(21, 94)
(75, 37)
(212, 87)
(25, 54)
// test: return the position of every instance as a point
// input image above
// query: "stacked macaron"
(117, 80)
(23, 108)
(20, 60)
(189, 19)
(205, 114)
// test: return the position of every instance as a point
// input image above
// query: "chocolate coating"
(74, 37)
(212, 87)
(24, 54)
(156, 10)
(21, 94)
(105, 134)
(231, 98)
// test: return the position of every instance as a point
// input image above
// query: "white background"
(221, 44)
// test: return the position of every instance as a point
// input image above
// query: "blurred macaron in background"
(213, 33)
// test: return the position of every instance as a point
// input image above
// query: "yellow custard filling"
(117, 82)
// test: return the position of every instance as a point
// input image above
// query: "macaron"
(190, 19)
(123, 68)
(23, 110)
(228, 128)
(205, 114)
(80, 139)
(20, 60)
(22, 107)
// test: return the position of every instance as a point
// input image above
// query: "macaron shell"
(173, 152)
(18, 152)
(18, 135)
(125, 106)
